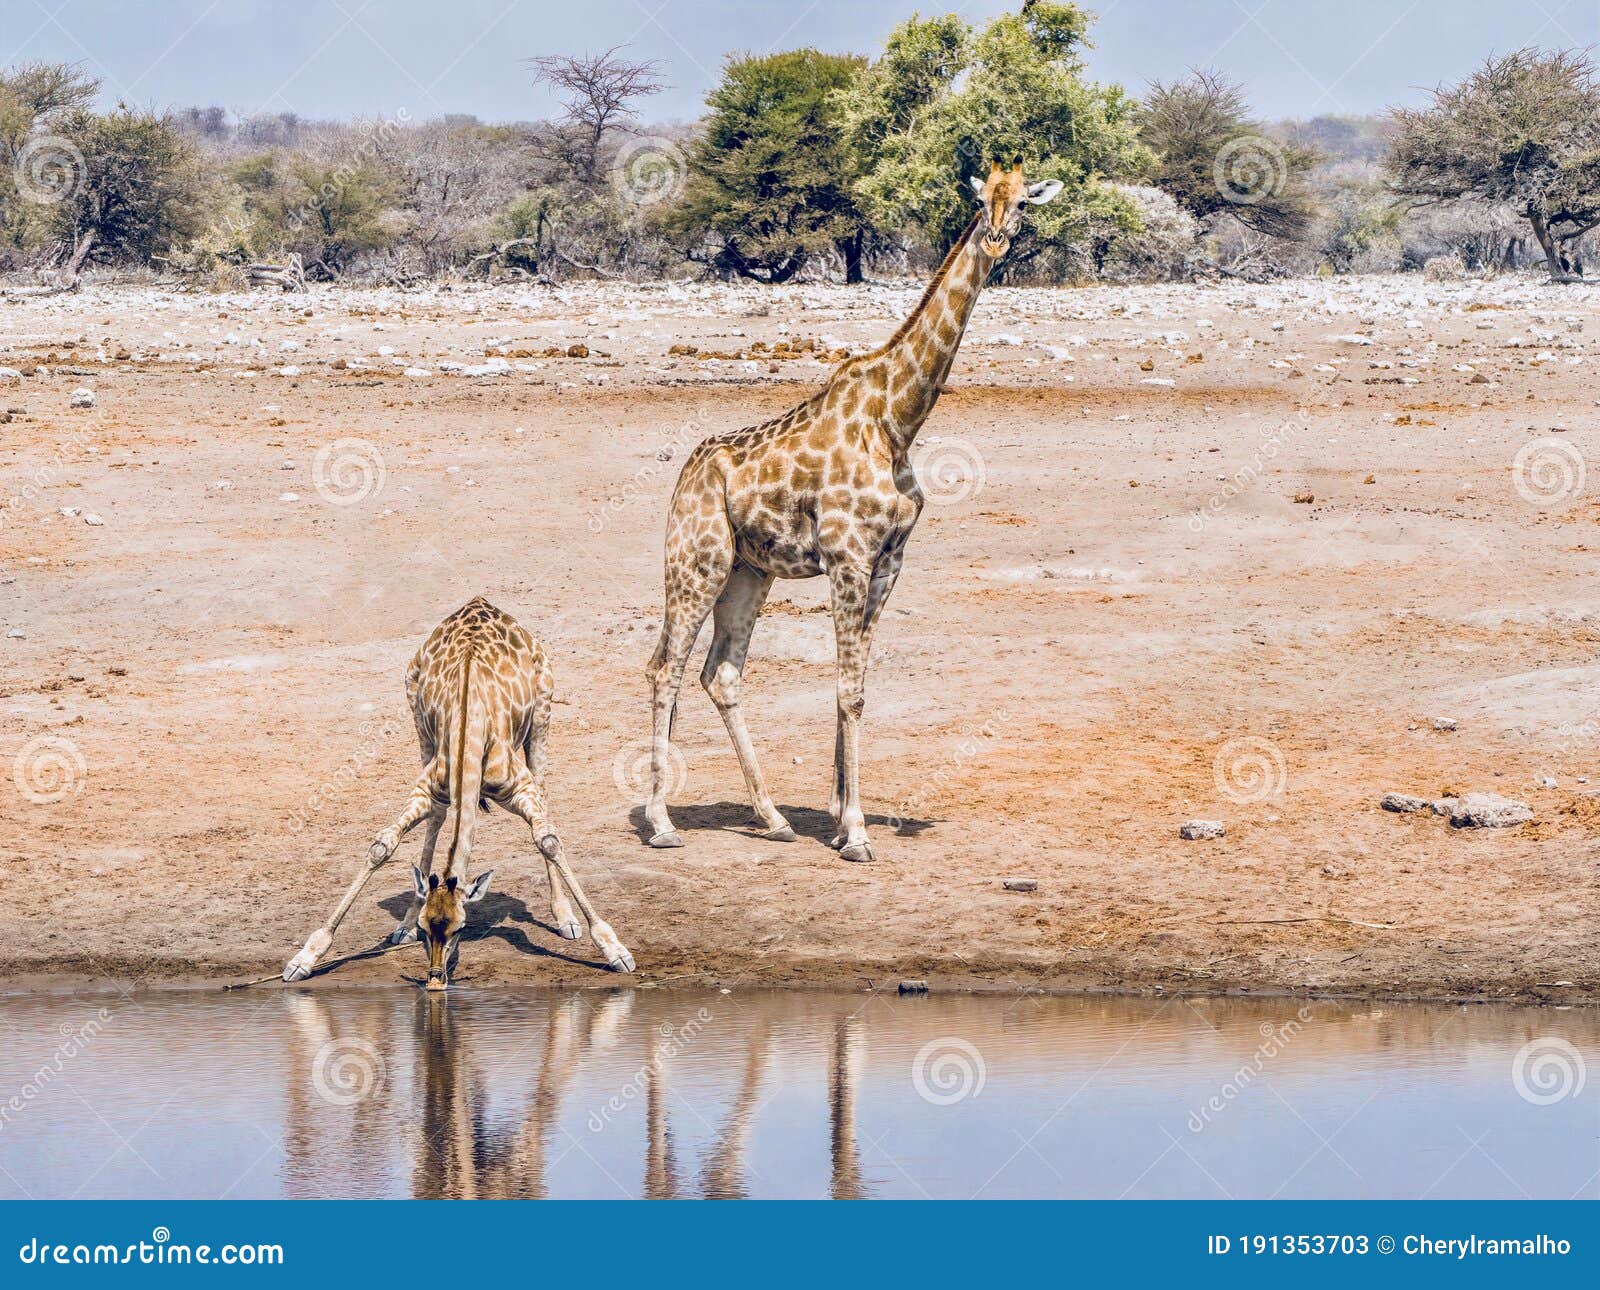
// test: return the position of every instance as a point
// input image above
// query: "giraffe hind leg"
(692, 588)
(734, 618)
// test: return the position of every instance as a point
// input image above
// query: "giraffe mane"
(939, 275)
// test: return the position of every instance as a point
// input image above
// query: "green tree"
(1523, 129)
(945, 98)
(1214, 158)
(32, 96)
(769, 176)
(125, 185)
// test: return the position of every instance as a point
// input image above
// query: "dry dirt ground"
(1223, 552)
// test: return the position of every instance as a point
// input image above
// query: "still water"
(599, 1093)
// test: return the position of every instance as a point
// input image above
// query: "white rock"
(288, 497)
(1200, 830)
(83, 398)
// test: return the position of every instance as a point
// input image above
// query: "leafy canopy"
(945, 98)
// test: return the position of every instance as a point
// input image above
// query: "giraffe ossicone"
(826, 489)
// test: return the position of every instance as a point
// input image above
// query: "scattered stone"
(93, 520)
(1443, 723)
(1487, 811)
(1305, 497)
(913, 987)
(10, 374)
(83, 398)
(1200, 830)
(1020, 884)
(577, 351)
(1403, 803)
(1478, 378)
(1548, 781)
(1445, 805)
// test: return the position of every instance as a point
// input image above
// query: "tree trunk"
(80, 253)
(850, 249)
(1547, 243)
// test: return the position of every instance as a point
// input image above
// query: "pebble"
(913, 987)
(1403, 803)
(83, 398)
(1200, 830)
(1020, 884)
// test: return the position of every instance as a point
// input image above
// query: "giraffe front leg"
(849, 586)
(406, 929)
(383, 847)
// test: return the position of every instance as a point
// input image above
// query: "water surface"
(599, 1093)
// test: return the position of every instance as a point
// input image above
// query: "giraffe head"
(444, 914)
(1002, 196)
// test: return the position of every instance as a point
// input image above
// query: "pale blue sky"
(329, 58)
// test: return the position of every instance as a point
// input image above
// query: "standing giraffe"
(826, 488)
(481, 690)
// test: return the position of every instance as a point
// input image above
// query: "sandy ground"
(1115, 617)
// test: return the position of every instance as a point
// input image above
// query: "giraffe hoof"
(402, 934)
(668, 839)
(838, 840)
(569, 930)
(298, 968)
(857, 853)
(622, 963)
(781, 834)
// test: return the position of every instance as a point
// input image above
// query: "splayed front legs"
(421, 805)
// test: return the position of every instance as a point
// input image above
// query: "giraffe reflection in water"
(457, 1146)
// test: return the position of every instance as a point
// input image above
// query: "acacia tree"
(1214, 158)
(599, 94)
(131, 186)
(769, 178)
(945, 98)
(1521, 130)
(32, 97)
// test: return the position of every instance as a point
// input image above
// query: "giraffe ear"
(1043, 191)
(977, 184)
(479, 887)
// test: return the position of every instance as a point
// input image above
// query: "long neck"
(918, 356)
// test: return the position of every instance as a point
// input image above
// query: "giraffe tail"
(469, 743)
